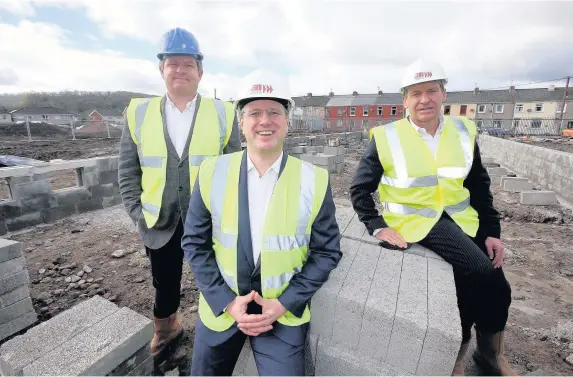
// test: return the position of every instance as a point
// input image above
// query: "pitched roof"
(306, 101)
(107, 113)
(40, 110)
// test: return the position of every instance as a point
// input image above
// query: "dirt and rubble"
(563, 144)
(100, 253)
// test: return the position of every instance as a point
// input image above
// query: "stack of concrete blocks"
(16, 309)
(34, 202)
(382, 312)
(332, 159)
(95, 337)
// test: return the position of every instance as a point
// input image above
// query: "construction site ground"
(539, 264)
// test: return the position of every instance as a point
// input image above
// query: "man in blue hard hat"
(164, 141)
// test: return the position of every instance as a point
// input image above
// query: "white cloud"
(343, 46)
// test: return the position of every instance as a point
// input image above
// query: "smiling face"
(181, 74)
(265, 125)
(424, 101)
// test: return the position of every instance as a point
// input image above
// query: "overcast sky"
(52, 45)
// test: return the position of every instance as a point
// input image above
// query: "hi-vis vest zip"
(416, 187)
(212, 130)
(295, 203)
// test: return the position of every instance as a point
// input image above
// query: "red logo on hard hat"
(262, 88)
(422, 75)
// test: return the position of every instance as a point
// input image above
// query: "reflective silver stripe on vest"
(276, 282)
(222, 116)
(151, 208)
(428, 181)
(140, 111)
(228, 241)
(300, 239)
(198, 159)
(397, 152)
(151, 161)
(457, 172)
(407, 210)
(228, 279)
(458, 207)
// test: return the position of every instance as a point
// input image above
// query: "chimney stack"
(331, 94)
(476, 91)
(380, 92)
(309, 94)
(512, 88)
(355, 93)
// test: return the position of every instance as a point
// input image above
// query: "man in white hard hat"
(435, 191)
(261, 238)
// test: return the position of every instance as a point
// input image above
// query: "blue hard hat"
(179, 41)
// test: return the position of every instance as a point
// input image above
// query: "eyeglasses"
(256, 114)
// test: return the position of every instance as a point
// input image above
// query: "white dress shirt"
(260, 191)
(179, 123)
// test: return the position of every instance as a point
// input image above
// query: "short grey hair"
(199, 63)
(441, 82)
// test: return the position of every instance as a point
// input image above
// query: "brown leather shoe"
(489, 354)
(459, 365)
(166, 331)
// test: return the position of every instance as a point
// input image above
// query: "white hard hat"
(263, 84)
(423, 71)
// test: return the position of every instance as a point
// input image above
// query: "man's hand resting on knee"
(392, 237)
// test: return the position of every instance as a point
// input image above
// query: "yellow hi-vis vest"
(294, 204)
(416, 187)
(212, 130)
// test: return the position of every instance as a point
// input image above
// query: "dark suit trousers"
(166, 270)
(273, 356)
(484, 294)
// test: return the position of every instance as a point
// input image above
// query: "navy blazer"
(197, 245)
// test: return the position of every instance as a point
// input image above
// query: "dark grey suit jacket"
(177, 191)
(198, 248)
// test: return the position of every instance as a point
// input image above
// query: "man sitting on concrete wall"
(435, 191)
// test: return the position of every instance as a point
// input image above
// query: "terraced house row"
(513, 111)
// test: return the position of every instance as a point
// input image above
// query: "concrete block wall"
(382, 312)
(16, 309)
(94, 337)
(34, 202)
(553, 170)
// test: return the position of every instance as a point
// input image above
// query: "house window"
(481, 109)
(479, 123)
(538, 107)
(497, 123)
(339, 112)
(352, 124)
(447, 110)
(364, 123)
(536, 123)
(499, 108)
(519, 108)
(328, 111)
(328, 124)
(560, 106)
(352, 111)
(339, 124)
(379, 111)
(393, 110)
(516, 122)
(365, 111)
(463, 109)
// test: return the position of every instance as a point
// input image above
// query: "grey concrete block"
(16, 310)
(114, 163)
(134, 362)
(24, 221)
(19, 180)
(111, 201)
(38, 202)
(103, 190)
(353, 296)
(297, 150)
(355, 229)
(325, 300)
(311, 348)
(71, 195)
(89, 205)
(58, 213)
(27, 190)
(12, 266)
(12, 327)
(411, 316)
(343, 216)
(3, 228)
(14, 281)
(334, 150)
(443, 335)
(496, 171)
(14, 296)
(495, 179)
(102, 163)
(90, 179)
(108, 176)
(381, 306)
(307, 158)
(98, 350)
(539, 198)
(517, 184)
(10, 208)
(246, 365)
(324, 160)
(334, 361)
(9, 249)
(50, 335)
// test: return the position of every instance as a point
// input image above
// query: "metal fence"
(549, 126)
(340, 124)
(58, 127)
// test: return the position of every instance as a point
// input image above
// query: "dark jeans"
(166, 270)
(484, 294)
